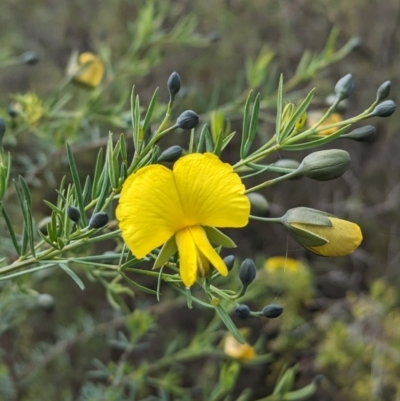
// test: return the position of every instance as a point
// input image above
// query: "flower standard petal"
(211, 193)
(149, 209)
(200, 238)
(187, 256)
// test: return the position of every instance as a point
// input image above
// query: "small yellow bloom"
(30, 107)
(314, 116)
(235, 350)
(159, 205)
(343, 237)
(87, 69)
(282, 263)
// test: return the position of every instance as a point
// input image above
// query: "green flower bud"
(229, 262)
(187, 120)
(272, 311)
(247, 272)
(258, 203)
(29, 58)
(73, 213)
(45, 302)
(12, 112)
(98, 220)
(242, 311)
(384, 109)
(344, 87)
(325, 165)
(383, 91)
(363, 134)
(2, 130)
(287, 163)
(174, 84)
(171, 154)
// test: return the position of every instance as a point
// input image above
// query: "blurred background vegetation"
(341, 314)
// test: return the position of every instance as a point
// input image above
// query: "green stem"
(272, 182)
(274, 220)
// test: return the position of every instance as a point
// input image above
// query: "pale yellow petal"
(149, 210)
(344, 237)
(212, 194)
(203, 244)
(187, 256)
(91, 70)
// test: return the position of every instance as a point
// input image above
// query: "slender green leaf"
(253, 125)
(73, 275)
(229, 323)
(77, 183)
(54, 208)
(218, 144)
(11, 230)
(245, 128)
(152, 105)
(279, 108)
(97, 173)
(227, 139)
(141, 287)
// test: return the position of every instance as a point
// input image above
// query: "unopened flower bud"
(383, 91)
(2, 130)
(98, 220)
(242, 311)
(247, 272)
(187, 120)
(174, 84)
(258, 203)
(384, 109)
(289, 164)
(325, 165)
(73, 213)
(12, 112)
(363, 134)
(171, 154)
(272, 311)
(29, 58)
(229, 262)
(344, 87)
(45, 302)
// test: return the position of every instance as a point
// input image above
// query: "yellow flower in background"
(343, 237)
(176, 207)
(87, 69)
(236, 350)
(30, 107)
(282, 263)
(314, 116)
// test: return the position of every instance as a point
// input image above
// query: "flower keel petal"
(187, 256)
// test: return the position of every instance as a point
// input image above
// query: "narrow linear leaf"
(227, 139)
(150, 110)
(141, 287)
(77, 183)
(97, 173)
(11, 230)
(73, 275)
(229, 323)
(253, 124)
(53, 208)
(245, 127)
(279, 107)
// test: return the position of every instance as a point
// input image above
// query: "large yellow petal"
(92, 70)
(149, 209)
(187, 256)
(203, 244)
(344, 237)
(211, 193)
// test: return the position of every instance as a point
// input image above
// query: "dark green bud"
(325, 165)
(187, 120)
(2, 130)
(12, 112)
(383, 91)
(247, 272)
(98, 220)
(242, 311)
(73, 213)
(45, 302)
(29, 58)
(384, 109)
(174, 84)
(272, 311)
(363, 134)
(171, 154)
(229, 262)
(344, 87)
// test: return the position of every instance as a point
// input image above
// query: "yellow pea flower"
(343, 237)
(282, 263)
(176, 207)
(87, 69)
(236, 350)
(314, 116)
